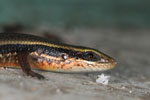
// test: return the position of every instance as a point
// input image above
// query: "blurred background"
(119, 28)
(125, 14)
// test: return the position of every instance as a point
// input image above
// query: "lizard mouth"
(100, 66)
(90, 66)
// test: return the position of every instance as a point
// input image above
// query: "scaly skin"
(28, 51)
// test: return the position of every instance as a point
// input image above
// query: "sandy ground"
(130, 80)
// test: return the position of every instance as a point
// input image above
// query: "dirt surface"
(130, 80)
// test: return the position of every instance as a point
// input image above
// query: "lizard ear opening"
(64, 56)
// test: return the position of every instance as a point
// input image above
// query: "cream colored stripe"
(46, 44)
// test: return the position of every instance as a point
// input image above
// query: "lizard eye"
(91, 56)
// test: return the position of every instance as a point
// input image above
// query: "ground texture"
(130, 80)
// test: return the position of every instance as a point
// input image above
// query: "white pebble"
(103, 79)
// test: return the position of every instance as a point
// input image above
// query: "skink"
(33, 52)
